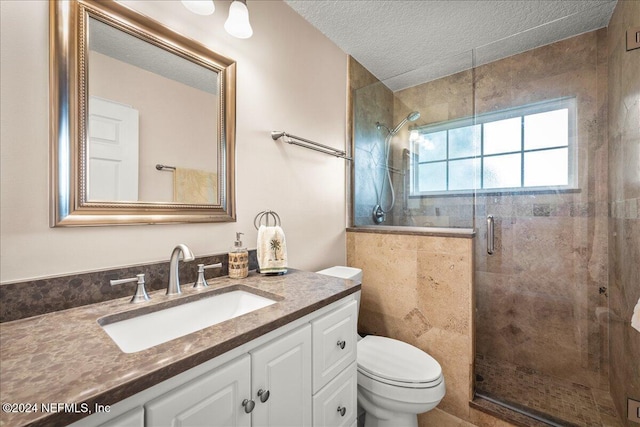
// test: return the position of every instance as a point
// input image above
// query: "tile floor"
(564, 402)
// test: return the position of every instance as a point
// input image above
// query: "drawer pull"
(263, 395)
(248, 405)
(341, 344)
(342, 410)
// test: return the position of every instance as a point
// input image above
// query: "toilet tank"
(343, 272)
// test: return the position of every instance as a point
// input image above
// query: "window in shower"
(526, 148)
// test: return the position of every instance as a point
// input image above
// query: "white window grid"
(568, 103)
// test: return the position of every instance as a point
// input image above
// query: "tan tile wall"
(418, 289)
(624, 223)
(444, 99)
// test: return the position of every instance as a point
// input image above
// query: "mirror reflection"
(142, 121)
(152, 122)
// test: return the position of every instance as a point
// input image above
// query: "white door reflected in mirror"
(112, 154)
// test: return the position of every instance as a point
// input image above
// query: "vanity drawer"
(337, 398)
(334, 343)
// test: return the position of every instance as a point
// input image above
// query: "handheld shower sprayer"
(412, 117)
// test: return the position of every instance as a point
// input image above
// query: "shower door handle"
(490, 234)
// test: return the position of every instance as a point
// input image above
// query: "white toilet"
(396, 381)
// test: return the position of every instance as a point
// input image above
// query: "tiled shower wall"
(372, 102)
(439, 100)
(541, 298)
(624, 188)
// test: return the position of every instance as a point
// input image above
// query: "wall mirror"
(142, 127)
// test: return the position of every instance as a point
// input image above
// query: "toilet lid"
(396, 360)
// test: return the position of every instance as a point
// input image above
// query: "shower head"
(412, 117)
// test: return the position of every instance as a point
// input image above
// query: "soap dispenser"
(238, 260)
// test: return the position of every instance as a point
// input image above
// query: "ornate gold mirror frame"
(69, 204)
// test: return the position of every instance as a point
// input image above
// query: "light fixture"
(200, 7)
(238, 21)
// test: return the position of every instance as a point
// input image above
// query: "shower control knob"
(342, 410)
(263, 395)
(248, 405)
(341, 344)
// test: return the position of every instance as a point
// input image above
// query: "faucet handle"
(141, 293)
(201, 282)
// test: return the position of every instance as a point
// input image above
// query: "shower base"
(546, 399)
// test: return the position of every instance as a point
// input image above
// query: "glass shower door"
(540, 206)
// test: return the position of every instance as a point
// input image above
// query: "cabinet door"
(283, 368)
(213, 400)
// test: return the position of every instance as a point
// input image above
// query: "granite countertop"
(67, 357)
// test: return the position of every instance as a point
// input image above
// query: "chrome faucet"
(174, 277)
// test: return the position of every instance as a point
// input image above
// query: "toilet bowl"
(396, 381)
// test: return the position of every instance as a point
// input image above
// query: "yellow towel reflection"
(195, 186)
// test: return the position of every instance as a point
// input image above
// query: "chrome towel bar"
(165, 167)
(303, 142)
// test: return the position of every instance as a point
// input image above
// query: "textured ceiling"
(407, 42)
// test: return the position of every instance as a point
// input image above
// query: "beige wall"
(624, 187)
(297, 84)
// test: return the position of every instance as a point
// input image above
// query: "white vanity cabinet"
(300, 375)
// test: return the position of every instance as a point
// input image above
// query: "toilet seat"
(387, 381)
(397, 363)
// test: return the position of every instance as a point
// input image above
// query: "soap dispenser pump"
(238, 259)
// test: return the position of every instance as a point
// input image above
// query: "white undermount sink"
(148, 330)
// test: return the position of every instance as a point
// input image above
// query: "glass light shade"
(200, 7)
(237, 23)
